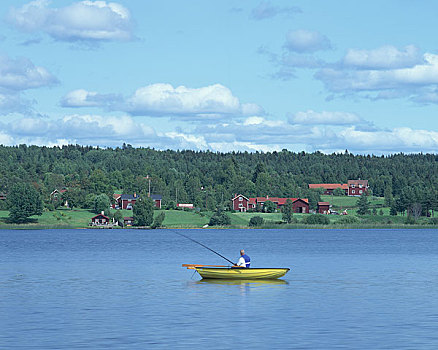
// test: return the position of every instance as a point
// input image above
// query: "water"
(126, 289)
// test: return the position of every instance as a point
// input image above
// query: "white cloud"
(306, 41)
(22, 74)
(324, 118)
(80, 21)
(266, 10)
(212, 102)
(385, 57)
(83, 98)
(414, 82)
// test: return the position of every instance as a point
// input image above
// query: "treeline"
(208, 179)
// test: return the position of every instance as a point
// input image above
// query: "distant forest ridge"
(207, 178)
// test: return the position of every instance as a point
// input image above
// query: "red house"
(100, 220)
(352, 188)
(127, 201)
(357, 187)
(240, 203)
(323, 207)
(329, 188)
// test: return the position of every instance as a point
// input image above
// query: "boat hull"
(241, 273)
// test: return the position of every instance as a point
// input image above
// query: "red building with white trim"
(242, 203)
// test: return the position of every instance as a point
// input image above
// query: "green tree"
(118, 216)
(363, 204)
(288, 211)
(269, 207)
(158, 221)
(24, 201)
(220, 218)
(338, 192)
(256, 221)
(143, 212)
(101, 203)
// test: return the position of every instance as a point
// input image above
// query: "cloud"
(385, 57)
(266, 10)
(83, 98)
(80, 21)
(210, 102)
(325, 118)
(303, 41)
(368, 80)
(22, 74)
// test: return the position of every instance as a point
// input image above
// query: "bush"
(256, 221)
(316, 219)
(220, 218)
(158, 221)
(347, 220)
(410, 220)
(433, 221)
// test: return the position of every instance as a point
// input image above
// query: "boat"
(237, 273)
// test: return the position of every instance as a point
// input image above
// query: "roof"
(323, 203)
(329, 186)
(156, 197)
(129, 197)
(106, 217)
(117, 195)
(239, 195)
(278, 200)
(358, 182)
(128, 218)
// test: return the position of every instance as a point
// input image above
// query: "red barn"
(323, 207)
(240, 203)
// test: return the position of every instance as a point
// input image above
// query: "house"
(2, 196)
(323, 208)
(127, 201)
(185, 205)
(351, 188)
(329, 188)
(128, 221)
(357, 187)
(117, 200)
(242, 203)
(100, 220)
(157, 200)
(56, 195)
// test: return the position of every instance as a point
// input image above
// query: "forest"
(208, 179)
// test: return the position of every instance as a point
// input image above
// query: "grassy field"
(80, 218)
(345, 202)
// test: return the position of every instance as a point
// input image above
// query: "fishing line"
(178, 233)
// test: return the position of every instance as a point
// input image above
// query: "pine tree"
(363, 204)
(143, 212)
(287, 211)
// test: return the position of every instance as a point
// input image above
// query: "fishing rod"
(204, 246)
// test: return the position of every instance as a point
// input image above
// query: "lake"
(126, 289)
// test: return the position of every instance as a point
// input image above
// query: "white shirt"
(241, 262)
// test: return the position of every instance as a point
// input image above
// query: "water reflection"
(243, 286)
(253, 282)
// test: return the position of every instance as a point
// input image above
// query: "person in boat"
(244, 260)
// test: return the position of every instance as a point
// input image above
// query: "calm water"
(126, 289)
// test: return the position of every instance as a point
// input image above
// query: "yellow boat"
(239, 273)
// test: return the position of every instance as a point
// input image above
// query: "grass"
(80, 218)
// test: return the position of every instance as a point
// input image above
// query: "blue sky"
(221, 75)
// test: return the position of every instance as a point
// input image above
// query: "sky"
(221, 75)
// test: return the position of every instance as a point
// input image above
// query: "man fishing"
(244, 260)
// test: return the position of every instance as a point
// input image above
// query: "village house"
(128, 221)
(127, 201)
(243, 204)
(100, 220)
(351, 188)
